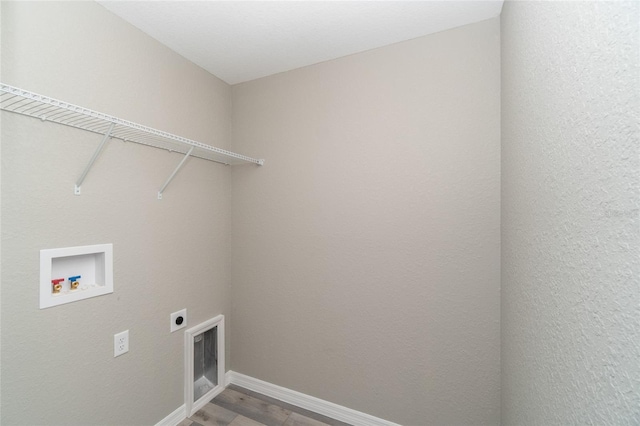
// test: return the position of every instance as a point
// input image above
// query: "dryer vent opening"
(204, 363)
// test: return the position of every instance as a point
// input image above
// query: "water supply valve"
(75, 282)
(56, 285)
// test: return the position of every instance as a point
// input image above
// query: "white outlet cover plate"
(120, 343)
(182, 313)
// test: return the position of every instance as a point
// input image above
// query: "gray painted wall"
(379, 274)
(57, 364)
(570, 221)
(366, 252)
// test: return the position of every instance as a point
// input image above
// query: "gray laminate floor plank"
(244, 421)
(214, 415)
(237, 406)
(292, 408)
(296, 419)
(253, 408)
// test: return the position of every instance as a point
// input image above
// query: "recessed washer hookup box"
(74, 273)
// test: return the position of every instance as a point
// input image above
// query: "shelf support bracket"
(93, 160)
(174, 173)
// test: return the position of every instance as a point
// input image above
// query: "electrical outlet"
(120, 343)
(178, 320)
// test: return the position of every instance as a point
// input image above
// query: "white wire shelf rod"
(88, 112)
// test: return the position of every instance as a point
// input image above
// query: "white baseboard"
(307, 402)
(174, 418)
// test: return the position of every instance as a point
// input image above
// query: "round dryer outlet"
(178, 320)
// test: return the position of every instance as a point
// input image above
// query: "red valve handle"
(57, 281)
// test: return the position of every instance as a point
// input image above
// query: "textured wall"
(366, 251)
(57, 364)
(570, 213)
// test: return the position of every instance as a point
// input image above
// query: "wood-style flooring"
(237, 406)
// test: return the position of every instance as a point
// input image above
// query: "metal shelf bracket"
(76, 190)
(174, 173)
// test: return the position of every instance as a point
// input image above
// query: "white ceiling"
(239, 41)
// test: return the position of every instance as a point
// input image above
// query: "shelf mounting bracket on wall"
(93, 160)
(174, 173)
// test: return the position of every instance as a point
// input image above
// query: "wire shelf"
(23, 102)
